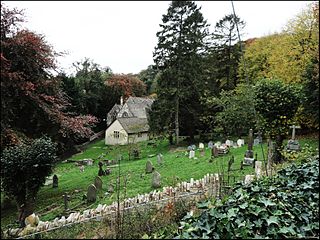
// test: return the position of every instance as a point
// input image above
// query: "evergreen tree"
(179, 55)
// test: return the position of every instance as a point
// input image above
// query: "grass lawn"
(176, 167)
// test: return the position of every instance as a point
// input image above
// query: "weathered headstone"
(229, 143)
(240, 142)
(191, 154)
(149, 167)
(66, 198)
(193, 147)
(55, 181)
(217, 144)
(92, 193)
(98, 183)
(201, 145)
(159, 159)
(214, 151)
(89, 162)
(248, 157)
(258, 168)
(293, 144)
(210, 144)
(156, 180)
(81, 168)
(248, 179)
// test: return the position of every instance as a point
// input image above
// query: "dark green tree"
(226, 53)
(277, 103)
(24, 169)
(148, 76)
(179, 55)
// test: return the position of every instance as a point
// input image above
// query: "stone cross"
(66, 198)
(294, 127)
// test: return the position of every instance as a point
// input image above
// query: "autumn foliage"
(127, 85)
(32, 101)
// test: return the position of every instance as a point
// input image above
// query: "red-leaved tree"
(32, 102)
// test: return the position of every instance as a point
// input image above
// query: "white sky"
(122, 34)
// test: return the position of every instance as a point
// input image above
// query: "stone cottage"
(128, 122)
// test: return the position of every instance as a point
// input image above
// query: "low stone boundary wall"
(208, 185)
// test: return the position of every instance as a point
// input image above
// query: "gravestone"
(108, 171)
(81, 168)
(230, 162)
(89, 162)
(110, 188)
(210, 144)
(214, 151)
(229, 143)
(193, 147)
(156, 180)
(218, 144)
(293, 144)
(258, 168)
(101, 172)
(98, 183)
(240, 142)
(92, 193)
(159, 159)
(66, 198)
(189, 148)
(248, 157)
(256, 141)
(201, 146)
(191, 154)
(55, 181)
(149, 167)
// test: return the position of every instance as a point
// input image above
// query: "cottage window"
(139, 134)
(116, 134)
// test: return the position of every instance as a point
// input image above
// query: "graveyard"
(66, 194)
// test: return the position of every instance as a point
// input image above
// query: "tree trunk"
(177, 120)
(25, 208)
(278, 148)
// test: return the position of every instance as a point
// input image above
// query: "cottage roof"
(137, 106)
(134, 125)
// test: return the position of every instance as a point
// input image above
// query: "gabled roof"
(134, 125)
(137, 106)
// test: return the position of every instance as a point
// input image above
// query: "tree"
(227, 53)
(148, 76)
(126, 85)
(88, 92)
(24, 169)
(32, 102)
(277, 103)
(179, 56)
(232, 114)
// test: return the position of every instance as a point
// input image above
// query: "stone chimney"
(121, 100)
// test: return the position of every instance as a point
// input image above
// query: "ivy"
(282, 206)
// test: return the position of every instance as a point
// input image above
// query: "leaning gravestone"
(92, 193)
(98, 183)
(156, 180)
(149, 167)
(55, 181)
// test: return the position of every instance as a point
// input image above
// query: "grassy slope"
(176, 165)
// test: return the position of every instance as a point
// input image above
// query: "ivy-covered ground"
(283, 206)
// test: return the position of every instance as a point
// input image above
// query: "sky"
(122, 34)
